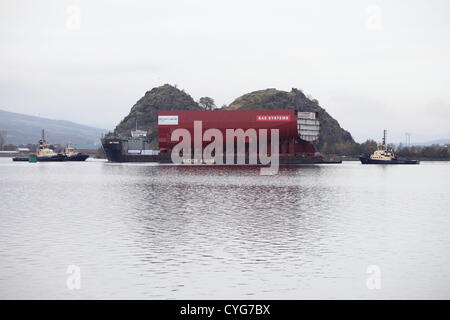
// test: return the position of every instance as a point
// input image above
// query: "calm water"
(147, 231)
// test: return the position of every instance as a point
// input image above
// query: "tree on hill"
(369, 146)
(207, 103)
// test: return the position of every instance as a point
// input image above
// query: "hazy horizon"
(372, 65)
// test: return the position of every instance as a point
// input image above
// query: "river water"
(103, 230)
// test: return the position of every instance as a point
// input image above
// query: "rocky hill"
(168, 97)
(331, 133)
(145, 111)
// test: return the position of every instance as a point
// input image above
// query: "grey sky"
(371, 64)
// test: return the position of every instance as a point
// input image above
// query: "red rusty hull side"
(284, 120)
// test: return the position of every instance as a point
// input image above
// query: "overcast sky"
(371, 64)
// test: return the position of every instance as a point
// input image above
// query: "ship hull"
(77, 157)
(21, 159)
(367, 160)
(58, 157)
(113, 150)
(115, 153)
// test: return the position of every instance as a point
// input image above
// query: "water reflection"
(148, 231)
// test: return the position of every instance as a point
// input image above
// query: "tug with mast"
(45, 153)
(384, 155)
(72, 155)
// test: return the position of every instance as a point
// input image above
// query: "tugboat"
(72, 155)
(45, 153)
(384, 155)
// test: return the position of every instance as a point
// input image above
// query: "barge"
(297, 133)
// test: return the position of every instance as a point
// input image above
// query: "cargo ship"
(297, 133)
(385, 155)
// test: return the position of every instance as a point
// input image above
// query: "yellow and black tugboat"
(72, 155)
(384, 155)
(45, 153)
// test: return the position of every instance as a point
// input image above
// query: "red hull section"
(283, 120)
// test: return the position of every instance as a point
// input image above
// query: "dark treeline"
(434, 152)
